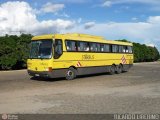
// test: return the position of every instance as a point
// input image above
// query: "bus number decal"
(87, 57)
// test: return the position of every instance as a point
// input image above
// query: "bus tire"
(119, 69)
(112, 70)
(70, 74)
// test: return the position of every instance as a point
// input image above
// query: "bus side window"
(124, 49)
(93, 47)
(130, 49)
(83, 46)
(98, 47)
(80, 46)
(120, 49)
(114, 48)
(107, 48)
(117, 48)
(86, 46)
(71, 45)
(127, 49)
(102, 47)
(58, 48)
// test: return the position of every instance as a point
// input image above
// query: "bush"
(14, 51)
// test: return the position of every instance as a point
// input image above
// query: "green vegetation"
(143, 53)
(14, 51)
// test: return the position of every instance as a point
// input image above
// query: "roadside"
(12, 70)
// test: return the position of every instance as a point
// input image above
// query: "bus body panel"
(91, 59)
(39, 64)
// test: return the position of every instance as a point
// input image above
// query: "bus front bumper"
(47, 74)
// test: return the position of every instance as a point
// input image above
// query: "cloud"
(134, 19)
(154, 19)
(73, 1)
(62, 15)
(79, 20)
(151, 45)
(52, 8)
(142, 32)
(51, 26)
(89, 25)
(155, 4)
(16, 17)
(107, 4)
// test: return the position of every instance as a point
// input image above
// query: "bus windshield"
(41, 49)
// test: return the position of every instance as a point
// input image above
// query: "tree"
(143, 53)
(14, 51)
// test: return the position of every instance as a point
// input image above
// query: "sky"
(134, 20)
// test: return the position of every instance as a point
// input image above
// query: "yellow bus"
(71, 55)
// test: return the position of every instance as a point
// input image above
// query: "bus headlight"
(49, 69)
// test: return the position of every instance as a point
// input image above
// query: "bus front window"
(41, 49)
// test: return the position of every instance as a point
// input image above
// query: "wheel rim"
(70, 74)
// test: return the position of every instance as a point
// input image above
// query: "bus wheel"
(112, 70)
(70, 74)
(119, 69)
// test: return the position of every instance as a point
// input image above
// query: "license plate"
(37, 75)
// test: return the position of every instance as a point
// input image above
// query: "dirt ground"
(136, 91)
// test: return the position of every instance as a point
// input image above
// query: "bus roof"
(82, 37)
(49, 36)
